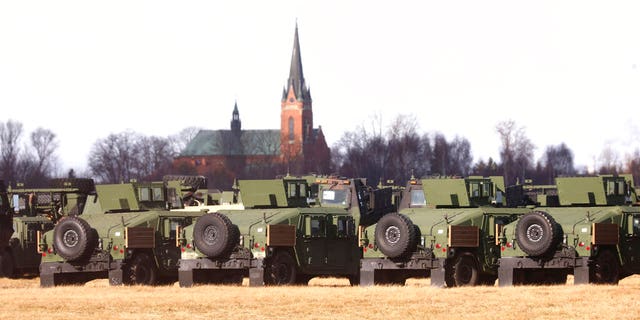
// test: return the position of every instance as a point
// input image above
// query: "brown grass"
(322, 299)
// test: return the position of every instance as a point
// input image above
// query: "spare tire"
(538, 233)
(73, 238)
(215, 235)
(395, 235)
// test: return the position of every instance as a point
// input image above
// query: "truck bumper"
(199, 270)
(56, 273)
(372, 269)
(579, 266)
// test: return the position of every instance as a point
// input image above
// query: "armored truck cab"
(446, 229)
(34, 211)
(592, 233)
(284, 241)
(125, 233)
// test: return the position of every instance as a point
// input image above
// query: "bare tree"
(633, 165)
(112, 159)
(609, 161)
(440, 161)
(557, 160)
(154, 157)
(460, 159)
(516, 150)
(180, 140)
(44, 144)
(10, 134)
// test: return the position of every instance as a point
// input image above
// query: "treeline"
(395, 152)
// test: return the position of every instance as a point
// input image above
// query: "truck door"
(167, 252)
(342, 243)
(312, 249)
(630, 245)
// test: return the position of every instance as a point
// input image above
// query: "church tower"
(296, 114)
(235, 121)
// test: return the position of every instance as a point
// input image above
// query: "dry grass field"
(322, 299)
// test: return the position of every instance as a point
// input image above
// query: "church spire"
(296, 77)
(235, 120)
(295, 73)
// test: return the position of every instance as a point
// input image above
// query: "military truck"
(592, 231)
(36, 210)
(125, 233)
(446, 229)
(6, 225)
(279, 238)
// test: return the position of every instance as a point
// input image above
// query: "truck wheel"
(7, 268)
(395, 235)
(73, 238)
(215, 235)
(537, 233)
(605, 268)
(281, 270)
(141, 270)
(464, 271)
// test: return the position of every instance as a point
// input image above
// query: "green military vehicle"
(34, 211)
(6, 225)
(125, 233)
(282, 236)
(592, 231)
(446, 229)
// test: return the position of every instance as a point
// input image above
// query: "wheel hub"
(70, 238)
(210, 234)
(392, 234)
(535, 233)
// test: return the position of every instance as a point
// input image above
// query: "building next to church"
(296, 148)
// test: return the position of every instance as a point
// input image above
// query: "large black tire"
(73, 239)
(395, 235)
(215, 235)
(7, 267)
(537, 233)
(141, 270)
(463, 271)
(281, 270)
(605, 268)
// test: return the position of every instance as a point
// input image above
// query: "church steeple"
(296, 79)
(296, 117)
(235, 120)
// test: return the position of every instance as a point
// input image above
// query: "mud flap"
(256, 274)
(367, 277)
(47, 280)
(505, 276)
(438, 274)
(115, 277)
(185, 278)
(581, 271)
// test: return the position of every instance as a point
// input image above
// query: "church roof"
(226, 143)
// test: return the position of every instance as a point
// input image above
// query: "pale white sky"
(85, 69)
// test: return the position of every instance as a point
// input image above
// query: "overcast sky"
(568, 71)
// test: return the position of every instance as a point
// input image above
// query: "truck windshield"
(335, 197)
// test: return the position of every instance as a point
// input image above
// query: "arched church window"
(291, 135)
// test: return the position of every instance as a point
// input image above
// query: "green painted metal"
(583, 203)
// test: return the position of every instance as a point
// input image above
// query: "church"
(296, 148)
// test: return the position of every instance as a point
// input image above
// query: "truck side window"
(292, 190)
(303, 190)
(144, 194)
(636, 225)
(341, 227)
(317, 226)
(157, 194)
(417, 198)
